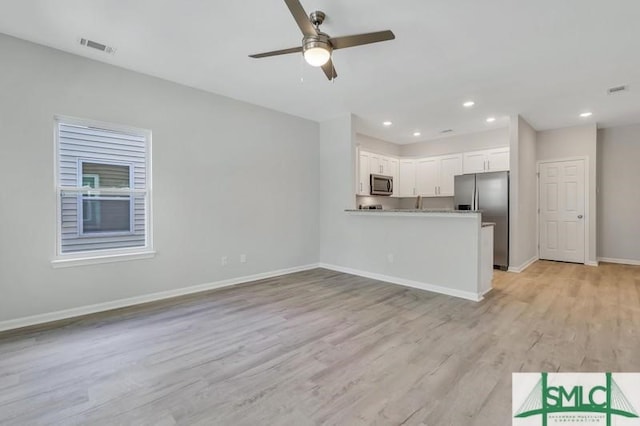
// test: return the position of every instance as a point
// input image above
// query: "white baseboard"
(404, 282)
(525, 265)
(590, 263)
(121, 303)
(621, 261)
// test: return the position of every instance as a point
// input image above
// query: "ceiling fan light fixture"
(316, 49)
(317, 56)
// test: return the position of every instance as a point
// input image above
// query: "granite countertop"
(410, 211)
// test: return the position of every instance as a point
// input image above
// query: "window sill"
(63, 262)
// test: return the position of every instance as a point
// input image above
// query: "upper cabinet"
(370, 163)
(393, 169)
(429, 177)
(450, 166)
(498, 160)
(407, 178)
(363, 184)
(489, 160)
(435, 175)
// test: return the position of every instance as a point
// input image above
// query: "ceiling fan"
(316, 45)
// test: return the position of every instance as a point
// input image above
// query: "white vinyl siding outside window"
(103, 191)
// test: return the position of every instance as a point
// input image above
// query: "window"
(103, 190)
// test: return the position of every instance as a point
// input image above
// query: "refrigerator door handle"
(476, 204)
(473, 199)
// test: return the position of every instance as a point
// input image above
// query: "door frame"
(587, 210)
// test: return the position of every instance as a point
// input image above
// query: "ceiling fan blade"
(360, 39)
(277, 52)
(329, 70)
(301, 17)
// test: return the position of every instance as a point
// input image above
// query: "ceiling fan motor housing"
(321, 40)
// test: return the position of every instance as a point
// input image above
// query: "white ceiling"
(548, 60)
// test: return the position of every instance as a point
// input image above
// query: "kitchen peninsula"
(444, 251)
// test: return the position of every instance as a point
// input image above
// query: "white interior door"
(562, 209)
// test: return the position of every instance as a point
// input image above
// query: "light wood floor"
(321, 347)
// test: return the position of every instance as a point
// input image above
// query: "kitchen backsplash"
(387, 202)
(427, 203)
(405, 203)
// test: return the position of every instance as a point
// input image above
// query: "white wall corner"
(525, 265)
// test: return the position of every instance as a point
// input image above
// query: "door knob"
(579, 216)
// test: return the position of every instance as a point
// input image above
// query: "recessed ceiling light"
(416, 133)
(468, 104)
(387, 123)
(586, 114)
(491, 119)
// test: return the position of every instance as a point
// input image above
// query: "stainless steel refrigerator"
(489, 194)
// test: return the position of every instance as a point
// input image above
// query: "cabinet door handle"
(360, 186)
(488, 165)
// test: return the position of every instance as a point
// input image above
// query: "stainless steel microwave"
(381, 185)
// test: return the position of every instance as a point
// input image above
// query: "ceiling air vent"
(446, 131)
(98, 46)
(617, 89)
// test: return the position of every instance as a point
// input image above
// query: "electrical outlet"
(390, 257)
(224, 260)
(243, 258)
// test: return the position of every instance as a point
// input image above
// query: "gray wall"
(619, 193)
(228, 178)
(523, 180)
(572, 142)
(494, 138)
(378, 146)
(337, 174)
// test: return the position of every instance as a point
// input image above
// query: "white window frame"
(131, 167)
(107, 255)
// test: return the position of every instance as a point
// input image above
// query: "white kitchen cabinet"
(407, 178)
(394, 171)
(371, 163)
(375, 164)
(498, 160)
(474, 162)
(427, 176)
(363, 183)
(489, 160)
(435, 175)
(450, 167)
